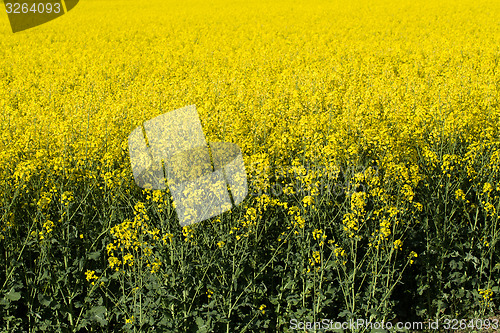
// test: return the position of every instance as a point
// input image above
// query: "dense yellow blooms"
(135, 240)
(319, 235)
(90, 276)
(329, 100)
(314, 261)
(486, 295)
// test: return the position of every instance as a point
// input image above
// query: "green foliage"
(258, 266)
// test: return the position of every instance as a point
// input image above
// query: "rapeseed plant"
(376, 126)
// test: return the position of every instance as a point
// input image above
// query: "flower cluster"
(134, 240)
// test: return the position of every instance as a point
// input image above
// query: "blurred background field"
(370, 133)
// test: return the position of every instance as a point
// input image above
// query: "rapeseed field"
(370, 136)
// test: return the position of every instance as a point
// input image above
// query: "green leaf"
(94, 255)
(200, 323)
(44, 301)
(13, 295)
(99, 314)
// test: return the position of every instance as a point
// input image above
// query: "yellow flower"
(407, 192)
(412, 255)
(155, 266)
(67, 198)
(45, 200)
(128, 258)
(316, 258)
(90, 275)
(262, 307)
(169, 236)
(308, 201)
(318, 235)
(114, 262)
(460, 195)
(339, 251)
(188, 233)
(486, 293)
(299, 221)
(487, 188)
